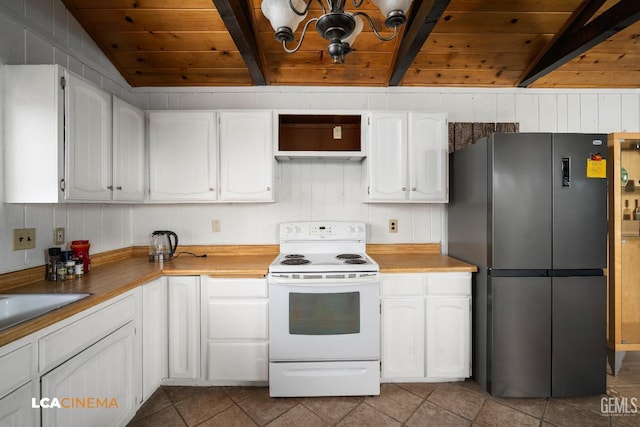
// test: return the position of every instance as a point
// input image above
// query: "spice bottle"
(52, 267)
(80, 249)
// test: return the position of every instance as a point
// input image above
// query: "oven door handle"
(324, 281)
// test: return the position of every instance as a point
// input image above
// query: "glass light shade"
(352, 37)
(387, 6)
(279, 13)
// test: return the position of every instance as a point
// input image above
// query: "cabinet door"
(102, 377)
(402, 337)
(246, 158)
(448, 337)
(128, 152)
(428, 157)
(387, 156)
(87, 141)
(154, 336)
(184, 327)
(182, 156)
(16, 410)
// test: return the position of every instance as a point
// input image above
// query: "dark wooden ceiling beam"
(577, 38)
(424, 16)
(236, 19)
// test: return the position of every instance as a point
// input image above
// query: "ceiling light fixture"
(340, 28)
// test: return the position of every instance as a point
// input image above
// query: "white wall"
(42, 31)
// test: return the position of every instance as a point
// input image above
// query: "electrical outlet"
(24, 238)
(58, 236)
(393, 226)
(216, 226)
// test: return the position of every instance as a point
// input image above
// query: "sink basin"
(18, 308)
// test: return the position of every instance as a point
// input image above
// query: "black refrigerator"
(530, 210)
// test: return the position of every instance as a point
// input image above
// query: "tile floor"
(424, 404)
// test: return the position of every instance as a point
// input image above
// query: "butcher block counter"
(116, 272)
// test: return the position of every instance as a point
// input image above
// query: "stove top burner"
(355, 261)
(294, 256)
(349, 256)
(295, 261)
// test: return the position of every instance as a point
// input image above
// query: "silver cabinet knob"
(268, 188)
(119, 187)
(413, 189)
(211, 189)
(404, 188)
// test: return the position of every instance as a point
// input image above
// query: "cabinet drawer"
(449, 284)
(237, 319)
(237, 362)
(15, 369)
(401, 285)
(235, 288)
(70, 340)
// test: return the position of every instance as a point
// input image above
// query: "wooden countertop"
(129, 269)
(420, 263)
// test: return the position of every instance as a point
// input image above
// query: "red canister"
(80, 249)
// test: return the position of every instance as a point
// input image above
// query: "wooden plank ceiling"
(475, 43)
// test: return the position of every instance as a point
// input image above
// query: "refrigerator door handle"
(566, 171)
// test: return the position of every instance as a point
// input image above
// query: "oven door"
(323, 319)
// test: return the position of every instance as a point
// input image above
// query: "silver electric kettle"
(161, 246)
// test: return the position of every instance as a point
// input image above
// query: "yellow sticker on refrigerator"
(596, 167)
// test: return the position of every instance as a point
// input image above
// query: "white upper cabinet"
(63, 142)
(246, 158)
(182, 156)
(128, 152)
(87, 141)
(387, 159)
(211, 156)
(428, 157)
(407, 160)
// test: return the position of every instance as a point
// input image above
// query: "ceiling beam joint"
(236, 19)
(579, 36)
(424, 16)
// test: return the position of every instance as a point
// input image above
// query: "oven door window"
(324, 314)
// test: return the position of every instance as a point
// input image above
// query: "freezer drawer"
(520, 363)
(579, 336)
(547, 336)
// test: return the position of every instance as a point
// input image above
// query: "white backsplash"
(44, 32)
(305, 191)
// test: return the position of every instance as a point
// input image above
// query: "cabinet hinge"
(63, 82)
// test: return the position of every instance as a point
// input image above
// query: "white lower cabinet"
(426, 329)
(235, 318)
(95, 387)
(154, 336)
(448, 327)
(16, 408)
(403, 337)
(184, 327)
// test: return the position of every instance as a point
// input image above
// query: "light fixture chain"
(375, 31)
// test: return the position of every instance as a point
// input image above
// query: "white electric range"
(324, 315)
